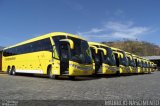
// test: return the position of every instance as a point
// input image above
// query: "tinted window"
(81, 53)
(56, 40)
(41, 45)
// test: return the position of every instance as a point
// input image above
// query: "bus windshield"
(81, 52)
(124, 60)
(131, 61)
(139, 63)
(109, 58)
(145, 64)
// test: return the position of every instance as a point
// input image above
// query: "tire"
(50, 75)
(118, 73)
(149, 72)
(95, 75)
(72, 77)
(9, 71)
(13, 71)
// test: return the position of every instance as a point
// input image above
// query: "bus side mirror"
(119, 55)
(104, 51)
(71, 43)
(53, 53)
(94, 48)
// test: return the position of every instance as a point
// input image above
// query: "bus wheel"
(118, 73)
(50, 75)
(13, 71)
(72, 77)
(9, 71)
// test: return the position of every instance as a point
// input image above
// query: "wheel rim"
(50, 74)
(9, 71)
(13, 71)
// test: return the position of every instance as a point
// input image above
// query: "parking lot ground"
(35, 87)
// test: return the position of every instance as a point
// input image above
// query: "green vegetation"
(140, 48)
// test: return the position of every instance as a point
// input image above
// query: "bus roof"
(136, 56)
(128, 53)
(96, 43)
(141, 58)
(45, 36)
(117, 49)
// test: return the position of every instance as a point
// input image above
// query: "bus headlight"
(107, 67)
(73, 65)
(84, 68)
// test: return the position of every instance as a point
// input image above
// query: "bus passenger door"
(136, 62)
(117, 59)
(64, 57)
(98, 62)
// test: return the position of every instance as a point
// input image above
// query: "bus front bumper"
(124, 70)
(80, 70)
(110, 69)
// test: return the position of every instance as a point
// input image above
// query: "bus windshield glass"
(139, 63)
(81, 52)
(109, 58)
(131, 61)
(124, 60)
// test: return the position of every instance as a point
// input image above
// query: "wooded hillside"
(140, 48)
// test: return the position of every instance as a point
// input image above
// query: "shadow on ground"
(78, 78)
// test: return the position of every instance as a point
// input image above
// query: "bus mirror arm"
(103, 50)
(95, 49)
(71, 43)
(53, 50)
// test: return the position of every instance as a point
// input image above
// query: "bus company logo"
(11, 58)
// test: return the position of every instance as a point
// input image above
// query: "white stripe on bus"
(30, 71)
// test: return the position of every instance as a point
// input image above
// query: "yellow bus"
(131, 62)
(137, 63)
(104, 60)
(144, 65)
(149, 66)
(121, 61)
(52, 54)
(154, 67)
